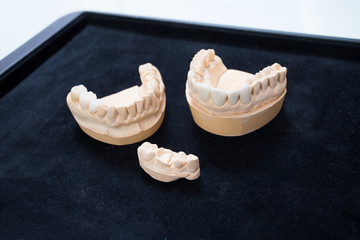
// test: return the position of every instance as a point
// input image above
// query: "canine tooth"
(245, 93)
(282, 73)
(101, 111)
(85, 98)
(139, 105)
(132, 109)
(123, 112)
(112, 114)
(192, 162)
(264, 82)
(76, 91)
(203, 91)
(147, 102)
(273, 77)
(256, 87)
(163, 157)
(93, 104)
(218, 96)
(179, 159)
(233, 96)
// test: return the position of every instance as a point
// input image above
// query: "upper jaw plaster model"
(230, 102)
(167, 166)
(126, 117)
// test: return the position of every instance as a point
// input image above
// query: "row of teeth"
(88, 100)
(167, 159)
(268, 77)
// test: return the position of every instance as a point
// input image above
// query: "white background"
(21, 20)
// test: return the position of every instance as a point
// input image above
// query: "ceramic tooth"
(245, 93)
(179, 160)
(192, 162)
(84, 99)
(282, 73)
(218, 96)
(93, 104)
(76, 91)
(203, 91)
(233, 96)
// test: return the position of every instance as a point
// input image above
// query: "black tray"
(297, 177)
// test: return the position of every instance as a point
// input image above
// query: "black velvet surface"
(295, 178)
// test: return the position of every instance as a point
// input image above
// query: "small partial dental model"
(167, 166)
(230, 102)
(125, 117)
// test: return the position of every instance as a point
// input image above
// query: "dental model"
(125, 117)
(167, 166)
(229, 102)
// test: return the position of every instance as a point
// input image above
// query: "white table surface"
(21, 20)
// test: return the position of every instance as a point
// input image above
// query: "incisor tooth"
(192, 162)
(85, 98)
(233, 96)
(245, 93)
(218, 96)
(132, 109)
(273, 77)
(76, 91)
(264, 82)
(203, 91)
(139, 105)
(94, 103)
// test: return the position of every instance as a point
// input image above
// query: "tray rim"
(28, 50)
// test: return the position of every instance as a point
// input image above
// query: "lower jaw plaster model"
(229, 102)
(126, 117)
(167, 166)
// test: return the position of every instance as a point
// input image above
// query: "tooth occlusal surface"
(76, 91)
(245, 93)
(203, 91)
(218, 96)
(84, 99)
